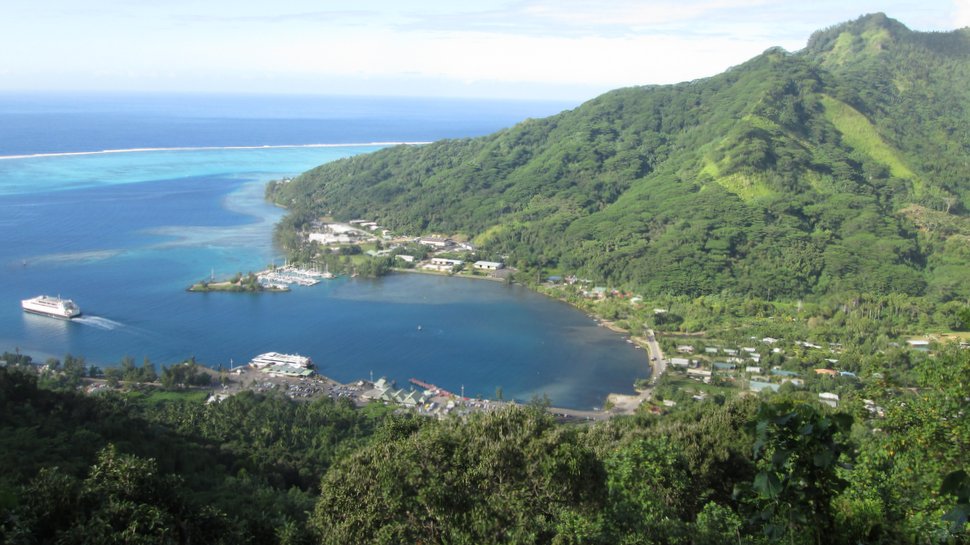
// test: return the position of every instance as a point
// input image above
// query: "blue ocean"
(120, 202)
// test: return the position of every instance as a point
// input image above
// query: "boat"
(54, 307)
(275, 358)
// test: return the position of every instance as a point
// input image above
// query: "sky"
(517, 49)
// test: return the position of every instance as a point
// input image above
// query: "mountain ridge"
(789, 175)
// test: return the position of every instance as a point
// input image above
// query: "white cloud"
(961, 13)
(574, 44)
(493, 57)
(633, 13)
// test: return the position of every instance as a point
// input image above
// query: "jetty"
(433, 388)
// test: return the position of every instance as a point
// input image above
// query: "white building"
(435, 242)
(489, 265)
(830, 399)
(446, 262)
(441, 264)
(331, 238)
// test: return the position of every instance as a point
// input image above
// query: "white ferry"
(54, 307)
(270, 359)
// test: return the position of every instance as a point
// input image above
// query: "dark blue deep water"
(123, 234)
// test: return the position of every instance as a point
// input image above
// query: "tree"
(798, 449)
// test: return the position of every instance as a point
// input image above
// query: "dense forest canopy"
(118, 467)
(839, 168)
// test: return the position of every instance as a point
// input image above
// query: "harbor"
(293, 376)
(289, 275)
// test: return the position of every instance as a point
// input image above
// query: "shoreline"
(446, 275)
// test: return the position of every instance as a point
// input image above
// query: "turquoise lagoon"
(123, 234)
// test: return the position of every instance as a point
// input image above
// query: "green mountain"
(840, 168)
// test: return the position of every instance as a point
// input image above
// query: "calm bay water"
(123, 234)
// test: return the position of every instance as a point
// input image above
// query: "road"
(657, 360)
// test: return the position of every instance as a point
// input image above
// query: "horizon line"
(208, 148)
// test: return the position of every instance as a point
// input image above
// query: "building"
(699, 374)
(830, 399)
(757, 386)
(436, 242)
(680, 362)
(441, 264)
(489, 265)
(919, 344)
(685, 349)
(406, 258)
(332, 238)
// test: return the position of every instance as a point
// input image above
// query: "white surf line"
(208, 148)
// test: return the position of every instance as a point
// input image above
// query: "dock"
(436, 389)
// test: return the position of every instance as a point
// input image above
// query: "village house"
(489, 265)
(829, 398)
(680, 362)
(441, 264)
(447, 262)
(699, 374)
(436, 242)
(757, 386)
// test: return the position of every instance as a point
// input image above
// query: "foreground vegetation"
(118, 468)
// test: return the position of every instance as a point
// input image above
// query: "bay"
(123, 234)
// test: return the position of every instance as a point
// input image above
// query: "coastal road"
(657, 360)
(575, 415)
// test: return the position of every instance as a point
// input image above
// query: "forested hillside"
(841, 168)
(117, 467)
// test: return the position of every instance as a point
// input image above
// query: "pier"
(437, 390)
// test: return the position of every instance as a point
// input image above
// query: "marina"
(287, 275)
